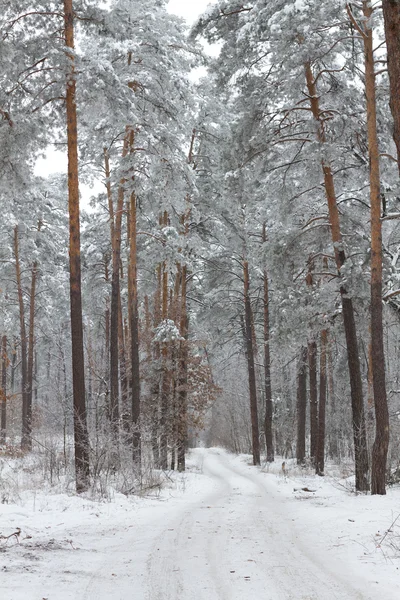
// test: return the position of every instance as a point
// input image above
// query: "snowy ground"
(223, 531)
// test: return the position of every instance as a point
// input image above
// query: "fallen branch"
(15, 534)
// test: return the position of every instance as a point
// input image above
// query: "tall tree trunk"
(267, 366)
(391, 13)
(31, 343)
(107, 311)
(251, 366)
(183, 376)
(165, 382)
(174, 313)
(381, 444)
(78, 364)
(312, 367)
(13, 365)
(359, 430)
(134, 323)
(107, 333)
(301, 408)
(116, 235)
(370, 399)
(26, 442)
(3, 403)
(126, 416)
(320, 453)
(334, 429)
(155, 384)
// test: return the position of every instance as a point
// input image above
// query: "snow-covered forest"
(208, 256)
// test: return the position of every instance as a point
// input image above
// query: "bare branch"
(354, 21)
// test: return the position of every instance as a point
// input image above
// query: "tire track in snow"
(238, 543)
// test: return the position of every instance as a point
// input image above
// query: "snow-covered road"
(227, 532)
(235, 542)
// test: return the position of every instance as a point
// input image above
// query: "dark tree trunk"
(134, 326)
(155, 384)
(251, 366)
(165, 381)
(301, 408)
(267, 368)
(359, 430)
(183, 377)
(391, 13)
(3, 403)
(115, 231)
(31, 342)
(107, 334)
(320, 454)
(126, 416)
(26, 441)
(107, 310)
(174, 411)
(312, 367)
(78, 364)
(13, 365)
(381, 444)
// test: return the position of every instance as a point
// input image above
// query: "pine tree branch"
(354, 21)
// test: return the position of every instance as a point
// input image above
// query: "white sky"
(188, 9)
(55, 161)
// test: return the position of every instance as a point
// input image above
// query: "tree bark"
(155, 384)
(165, 377)
(13, 365)
(81, 436)
(312, 367)
(107, 335)
(174, 315)
(391, 14)
(320, 452)
(381, 444)
(3, 404)
(251, 366)
(301, 408)
(26, 442)
(134, 321)
(31, 343)
(359, 430)
(126, 416)
(183, 376)
(116, 236)
(267, 367)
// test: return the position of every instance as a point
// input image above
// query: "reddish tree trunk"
(359, 430)
(78, 364)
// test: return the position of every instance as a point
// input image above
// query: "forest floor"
(224, 530)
